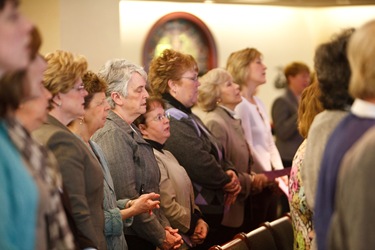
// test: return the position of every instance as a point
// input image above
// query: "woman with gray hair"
(218, 96)
(131, 160)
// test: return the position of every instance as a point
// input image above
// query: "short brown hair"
(170, 65)
(12, 86)
(295, 68)
(3, 2)
(93, 84)
(149, 104)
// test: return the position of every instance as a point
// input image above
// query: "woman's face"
(230, 94)
(97, 111)
(257, 72)
(33, 112)
(34, 76)
(72, 102)
(135, 101)
(186, 91)
(156, 126)
(14, 39)
(300, 81)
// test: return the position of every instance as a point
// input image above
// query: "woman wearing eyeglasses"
(118, 213)
(176, 190)
(81, 172)
(174, 76)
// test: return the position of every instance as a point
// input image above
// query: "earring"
(218, 101)
(56, 103)
(81, 121)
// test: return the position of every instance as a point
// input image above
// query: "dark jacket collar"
(156, 145)
(178, 105)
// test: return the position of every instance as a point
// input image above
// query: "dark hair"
(93, 84)
(149, 107)
(333, 71)
(3, 2)
(12, 87)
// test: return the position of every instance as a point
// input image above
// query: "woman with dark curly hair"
(333, 74)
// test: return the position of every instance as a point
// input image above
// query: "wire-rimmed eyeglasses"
(161, 117)
(192, 78)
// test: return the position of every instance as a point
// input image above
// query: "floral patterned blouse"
(299, 211)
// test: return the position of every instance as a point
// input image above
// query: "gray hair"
(117, 73)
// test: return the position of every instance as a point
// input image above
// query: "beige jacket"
(229, 132)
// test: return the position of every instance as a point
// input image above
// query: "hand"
(233, 186)
(259, 182)
(200, 232)
(285, 179)
(145, 203)
(172, 239)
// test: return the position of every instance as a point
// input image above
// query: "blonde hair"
(361, 55)
(63, 70)
(209, 91)
(238, 62)
(309, 107)
(170, 65)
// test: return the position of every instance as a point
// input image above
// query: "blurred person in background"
(333, 75)
(18, 190)
(300, 212)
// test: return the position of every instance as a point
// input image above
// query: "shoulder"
(49, 134)
(279, 100)
(217, 116)
(177, 114)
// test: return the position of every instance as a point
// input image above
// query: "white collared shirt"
(363, 109)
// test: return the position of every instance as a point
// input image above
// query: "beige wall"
(104, 29)
(46, 15)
